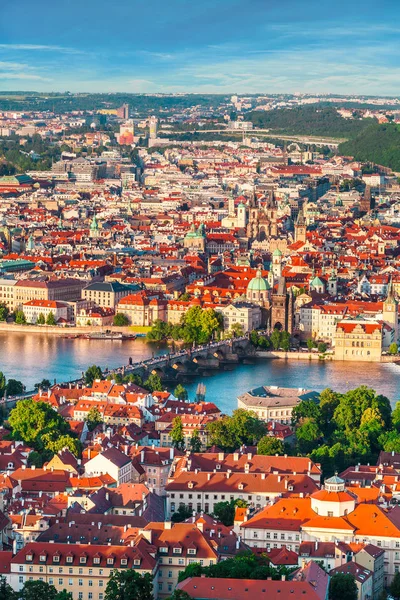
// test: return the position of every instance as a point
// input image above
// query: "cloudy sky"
(221, 46)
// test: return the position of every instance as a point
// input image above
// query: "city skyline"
(210, 47)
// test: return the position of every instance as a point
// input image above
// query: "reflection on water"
(32, 357)
(224, 387)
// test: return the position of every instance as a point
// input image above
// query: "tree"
(129, 585)
(183, 513)
(93, 418)
(394, 587)
(159, 331)
(180, 595)
(195, 441)
(322, 347)
(92, 373)
(285, 340)
(236, 330)
(395, 414)
(44, 384)
(153, 383)
(270, 446)
(121, 320)
(4, 312)
(393, 348)
(14, 387)
(275, 339)
(3, 384)
(328, 402)
(56, 443)
(177, 437)
(41, 320)
(308, 434)
(38, 590)
(310, 344)
(29, 420)
(343, 586)
(180, 392)
(20, 317)
(231, 432)
(51, 320)
(64, 595)
(305, 409)
(225, 511)
(6, 591)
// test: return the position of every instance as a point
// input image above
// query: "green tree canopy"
(394, 587)
(6, 591)
(92, 373)
(51, 320)
(31, 420)
(225, 511)
(195, 441)
(93, 418)
(129, 585)
(38, 590)
(4, 312)
(343, 586)
(3, 384)
(20, 317)
(180, 392)
(270, 446)
(121, 320)
(231, 432)
(14, 387)
(308, 434)
(153, 383)
(177, 437)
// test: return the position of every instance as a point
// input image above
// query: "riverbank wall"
(387, 358)
(60, 331)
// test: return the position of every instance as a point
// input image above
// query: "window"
(60, 581)
(90, 583)
(80, 582)
(191, 551)
(96, 560)
(100, 583)
(70, 581)
(82, 560)
(169, 574)
(56, 558)
(21, 568)
(20, 579)
(80, 571)
(70, 559)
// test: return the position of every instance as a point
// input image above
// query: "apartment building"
(81, 569)
(55, 289)
(273, 403)
(7, 293)
(106, 294)
(33, 308)
(111, 461)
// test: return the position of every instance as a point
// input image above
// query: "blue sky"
(218, 46)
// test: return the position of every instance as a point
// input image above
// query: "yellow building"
(358, 340)
(81, 569)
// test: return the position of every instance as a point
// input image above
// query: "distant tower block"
(153, 127)
(231, 206)
(300, 228)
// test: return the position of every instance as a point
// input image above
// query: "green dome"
(258, 283)
(316, 282)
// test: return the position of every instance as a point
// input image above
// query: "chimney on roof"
(316, 545)
(167, 525)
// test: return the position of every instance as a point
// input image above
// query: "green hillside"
(308, 120)
(377, 143)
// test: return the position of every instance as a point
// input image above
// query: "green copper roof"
(277, 252)
(258, 283)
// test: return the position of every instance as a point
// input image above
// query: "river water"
(30, 357)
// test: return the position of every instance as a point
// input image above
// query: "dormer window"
(218, 467)
(192, 551)
(29, 557)
(124, 562)
(177, 551)
(164, 550)
(240, 486)
(110, 560)
(82, 560)
(136, 562)
(96, 560)
(42, 558)
(56, 558)
(190, 485)
(70, 559)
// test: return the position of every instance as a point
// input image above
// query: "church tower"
(277, 263)
(300, 228)
(390, 310)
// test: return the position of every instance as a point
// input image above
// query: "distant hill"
(377, 143)
(309, 120)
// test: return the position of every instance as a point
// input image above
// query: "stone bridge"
(186, 362)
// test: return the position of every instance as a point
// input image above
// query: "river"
(30, 357)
